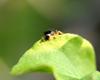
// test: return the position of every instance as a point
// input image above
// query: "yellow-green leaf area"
(67, 56)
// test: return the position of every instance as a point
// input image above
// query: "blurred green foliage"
(20, 26)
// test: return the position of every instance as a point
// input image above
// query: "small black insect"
(48, 35)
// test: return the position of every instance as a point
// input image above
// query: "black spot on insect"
(48, 34)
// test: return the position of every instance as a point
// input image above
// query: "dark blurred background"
(22, 22)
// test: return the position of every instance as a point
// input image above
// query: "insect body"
(48, 35)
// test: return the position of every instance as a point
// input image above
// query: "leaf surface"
(68, 57)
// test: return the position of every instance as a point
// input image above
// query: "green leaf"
(96, 75)
(93, 76)
(68, 57)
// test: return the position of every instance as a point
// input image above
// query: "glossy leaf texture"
(67, 57)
